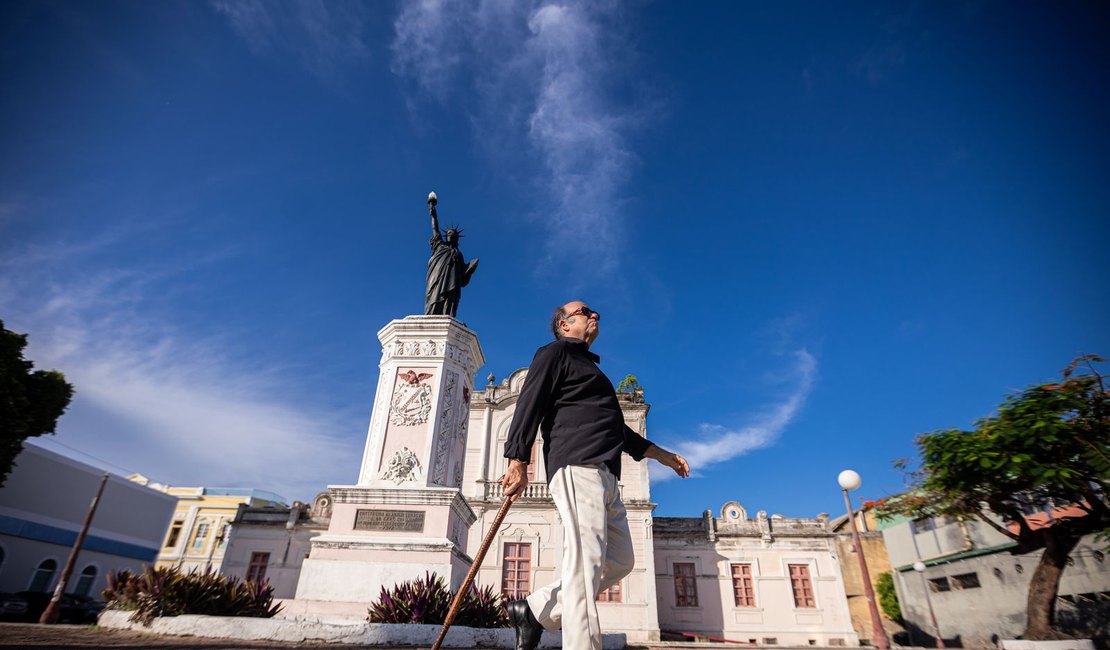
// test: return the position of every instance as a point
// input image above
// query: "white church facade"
(763, 580)
(428, 493)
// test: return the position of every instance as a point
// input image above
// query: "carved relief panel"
(412, 398)
(444, 436)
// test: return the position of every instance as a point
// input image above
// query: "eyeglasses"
(585, 311)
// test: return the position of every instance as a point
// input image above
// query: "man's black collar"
(579, 344)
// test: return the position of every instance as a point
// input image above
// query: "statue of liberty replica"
(448, 272)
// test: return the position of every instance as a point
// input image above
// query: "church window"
(85, 582)
(44, 575)
(685, 585)
(743, 591)
(611, 595)
(256, 570)
(516, 571)
(802, 586)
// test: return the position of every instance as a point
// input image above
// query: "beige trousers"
(597, 553)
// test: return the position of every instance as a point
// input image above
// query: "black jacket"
(573, 404)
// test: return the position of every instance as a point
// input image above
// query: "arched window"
(44, 575)
(85, 582)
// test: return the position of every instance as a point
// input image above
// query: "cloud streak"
(535, 76)
(716, 443)
(159, 401)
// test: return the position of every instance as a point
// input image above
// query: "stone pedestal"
(406, 516)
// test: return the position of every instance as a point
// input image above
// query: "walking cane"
(469, 579)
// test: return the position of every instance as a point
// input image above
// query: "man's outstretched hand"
(670, 459)
(515, 480)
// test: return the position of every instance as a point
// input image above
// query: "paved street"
(29, 635)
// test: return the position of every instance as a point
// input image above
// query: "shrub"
(482, 608)
(123, 591)
(427, 601)
(888, 597)
(171, 592)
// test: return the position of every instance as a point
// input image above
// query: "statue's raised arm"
(448, 272)
(432, 200)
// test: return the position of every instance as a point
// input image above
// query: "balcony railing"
(494, 490)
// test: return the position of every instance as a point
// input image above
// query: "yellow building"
(878, 562)
(198, 532)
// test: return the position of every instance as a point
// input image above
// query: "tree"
(31, 401)
(1047, 447)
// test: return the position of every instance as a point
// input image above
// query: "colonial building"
(760, 580)
(271, 542)
(43, 505)
(528, 547)
(767, 580)
(197, 537)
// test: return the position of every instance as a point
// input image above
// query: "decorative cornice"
(431, 338)
(405, 497)
(396, 544)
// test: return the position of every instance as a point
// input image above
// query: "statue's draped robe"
(446, 278)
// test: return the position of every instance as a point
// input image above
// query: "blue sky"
(813, 231)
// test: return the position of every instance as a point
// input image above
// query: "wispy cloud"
(716, 443)
(536, 76)
(159, 400)
(324, 36)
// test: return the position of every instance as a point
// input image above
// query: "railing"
(537, 490)
(494, 490)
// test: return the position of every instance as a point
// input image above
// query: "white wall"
(43, 505)
(774, 620)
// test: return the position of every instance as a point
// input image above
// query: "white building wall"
(713, 545)
(996, 608)
(43, 505)
(287, 548)
(533, 519)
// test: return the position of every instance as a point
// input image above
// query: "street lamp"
(850, 480)
(919, 566)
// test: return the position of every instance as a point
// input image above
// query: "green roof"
(975, 552)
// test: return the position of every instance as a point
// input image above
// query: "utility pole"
(53, 610)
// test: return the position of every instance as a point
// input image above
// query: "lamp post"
(850, 480)
(919, 566)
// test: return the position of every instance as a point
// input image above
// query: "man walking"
(574, 406)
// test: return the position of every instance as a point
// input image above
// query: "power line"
(126, 472)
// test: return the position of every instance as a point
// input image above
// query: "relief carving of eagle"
(413, 378)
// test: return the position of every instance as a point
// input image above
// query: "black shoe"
(528, 629)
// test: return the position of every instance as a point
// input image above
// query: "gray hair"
(559, 316)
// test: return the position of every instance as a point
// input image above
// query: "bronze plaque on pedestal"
(408, 521)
